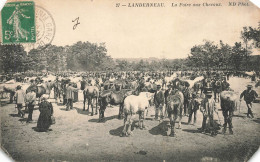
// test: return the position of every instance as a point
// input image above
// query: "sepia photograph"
(130, 80)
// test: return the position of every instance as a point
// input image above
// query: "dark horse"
(90, 93)
(58, 91)
(45, 88)
(228, 106)
(113, 98)
(198, 86)
(174, 108)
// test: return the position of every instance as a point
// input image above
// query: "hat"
(208, 93)
(249, 85)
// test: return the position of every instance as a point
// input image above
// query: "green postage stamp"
(18, 22)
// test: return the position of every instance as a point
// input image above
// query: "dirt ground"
(77, 136)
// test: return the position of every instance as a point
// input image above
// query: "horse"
(174, 109)
(150, 87)
(10, 90)
(113, 98)
(41, 89)
(132, 105)
(257, 84)
(90, 93)
(228, 106)
(133, 85)
(108, 85)
(198, 86)
(119, 84)
(10, 87)
(58, 91)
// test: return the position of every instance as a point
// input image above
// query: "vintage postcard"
(130, 80)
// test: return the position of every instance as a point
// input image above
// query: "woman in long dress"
(46, 111)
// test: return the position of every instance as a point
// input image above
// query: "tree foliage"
(86, 56)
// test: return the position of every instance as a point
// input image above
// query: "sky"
(168, 32)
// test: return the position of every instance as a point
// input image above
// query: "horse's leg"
(168, 125)
(124, 129)
(101, 113)
(225, 115)
(92, 107)
(129, 131)
(139, 121)
(120, 111)
(165, 112)
(141, 118)
(96, 105)
(180, 117)
(173, 118)
(89, 101)
(147, 112)
(11, 97)
(60, 95)
(84, 101)
(230, 121)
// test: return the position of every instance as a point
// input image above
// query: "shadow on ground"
(159, 129)
(80, 111)
(240, 115)
(22, 120)
(191, 130)
(3, 103)
(118, 131)
(39, 130)
(103, 120)
(14, 115)
(257, 120)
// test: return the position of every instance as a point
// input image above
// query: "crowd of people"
(202, 95)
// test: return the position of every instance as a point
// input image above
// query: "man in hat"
(30, 101)
(20, 100)
(207, 108)
(70, 96)
(159, 102)
(249, 96)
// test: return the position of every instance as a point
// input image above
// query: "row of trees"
(224, 56)
(151, 65)
(86, 56)
(80, 56)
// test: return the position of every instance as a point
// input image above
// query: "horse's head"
(174, 101)
(149, 96)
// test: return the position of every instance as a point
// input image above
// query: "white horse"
(133, 105)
